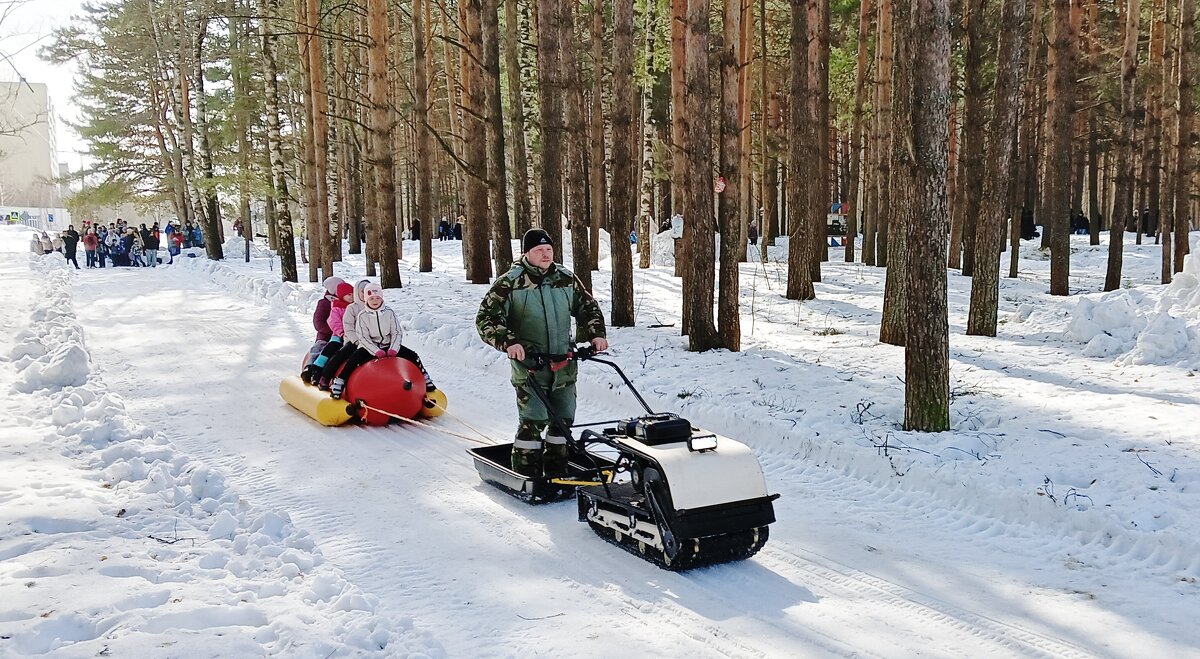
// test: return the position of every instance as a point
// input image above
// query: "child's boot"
(336, 387)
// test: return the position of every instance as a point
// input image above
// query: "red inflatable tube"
(391, 384)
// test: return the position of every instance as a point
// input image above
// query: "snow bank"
(234, 247)
(1136, 328)
(118, 545)
(1108, 324)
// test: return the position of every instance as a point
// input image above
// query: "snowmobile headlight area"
(701, 443)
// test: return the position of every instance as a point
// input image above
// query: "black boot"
(554, 459)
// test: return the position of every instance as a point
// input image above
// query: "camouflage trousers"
(532, 455)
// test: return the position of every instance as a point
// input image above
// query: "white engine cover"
(697, 479)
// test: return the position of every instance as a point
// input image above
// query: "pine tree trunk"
(320, 99)
(1093, 164)
(384, 217)
(1061, 106)
(358, 203)
(679, 162)
(883, 135)
(597, 177)
(865, 14)
(478, 227)
(989, 237)
(902, 194)
(767, 105)
(870, 221)
(1167, 140)
(624, 176)
(279, 186)
(371, 201)
(1029, 149)
(523, 215)
(927, 351)
(974, 130)
(551, 96)
(454, 88)
(501, 229)
(181, 104)
(818, 108)
(745, 133)
(424, 148)
(647, 229)
(868, 193)
(1154, 135)
(304, 133)
(238, 61)
(211, 217)
(698, 227)
(1142, 169)
(1124, 183)
(802, 165)
(574, 124)
(340, 107)
(1185, 131)
(728, 201)
(953, 194)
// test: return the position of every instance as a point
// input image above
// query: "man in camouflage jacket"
(529, 309)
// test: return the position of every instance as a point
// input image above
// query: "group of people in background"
(444, 230)
(118, 243)
(447, 231)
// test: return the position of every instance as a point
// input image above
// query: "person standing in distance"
(529, 310)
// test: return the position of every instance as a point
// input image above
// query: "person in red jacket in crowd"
(91, 242)
(174, 241)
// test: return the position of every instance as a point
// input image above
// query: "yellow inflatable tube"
(314, 402)
(434, 404)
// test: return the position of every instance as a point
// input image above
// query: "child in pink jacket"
(343, 296)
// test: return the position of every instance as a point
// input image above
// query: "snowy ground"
(161, 500)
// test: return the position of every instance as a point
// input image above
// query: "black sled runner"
(673, 494)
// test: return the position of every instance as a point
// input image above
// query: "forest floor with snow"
(162, 501)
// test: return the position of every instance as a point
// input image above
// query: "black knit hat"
(534, 238)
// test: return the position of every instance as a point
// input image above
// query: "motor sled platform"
(492, 463)
(655, 485)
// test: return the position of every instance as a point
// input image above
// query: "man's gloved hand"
(391, 353)
(380, 353)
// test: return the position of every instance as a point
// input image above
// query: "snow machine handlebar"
(541, 360)
(588, 352)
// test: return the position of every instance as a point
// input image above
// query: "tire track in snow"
(981, 627)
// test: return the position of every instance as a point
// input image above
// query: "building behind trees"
(29, 167)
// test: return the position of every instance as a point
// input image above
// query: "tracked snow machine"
(676, 495)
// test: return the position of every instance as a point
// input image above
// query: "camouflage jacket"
(535, 308)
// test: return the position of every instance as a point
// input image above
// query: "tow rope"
(606, 473)
(484, 441)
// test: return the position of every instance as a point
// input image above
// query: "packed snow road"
(852, 568)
